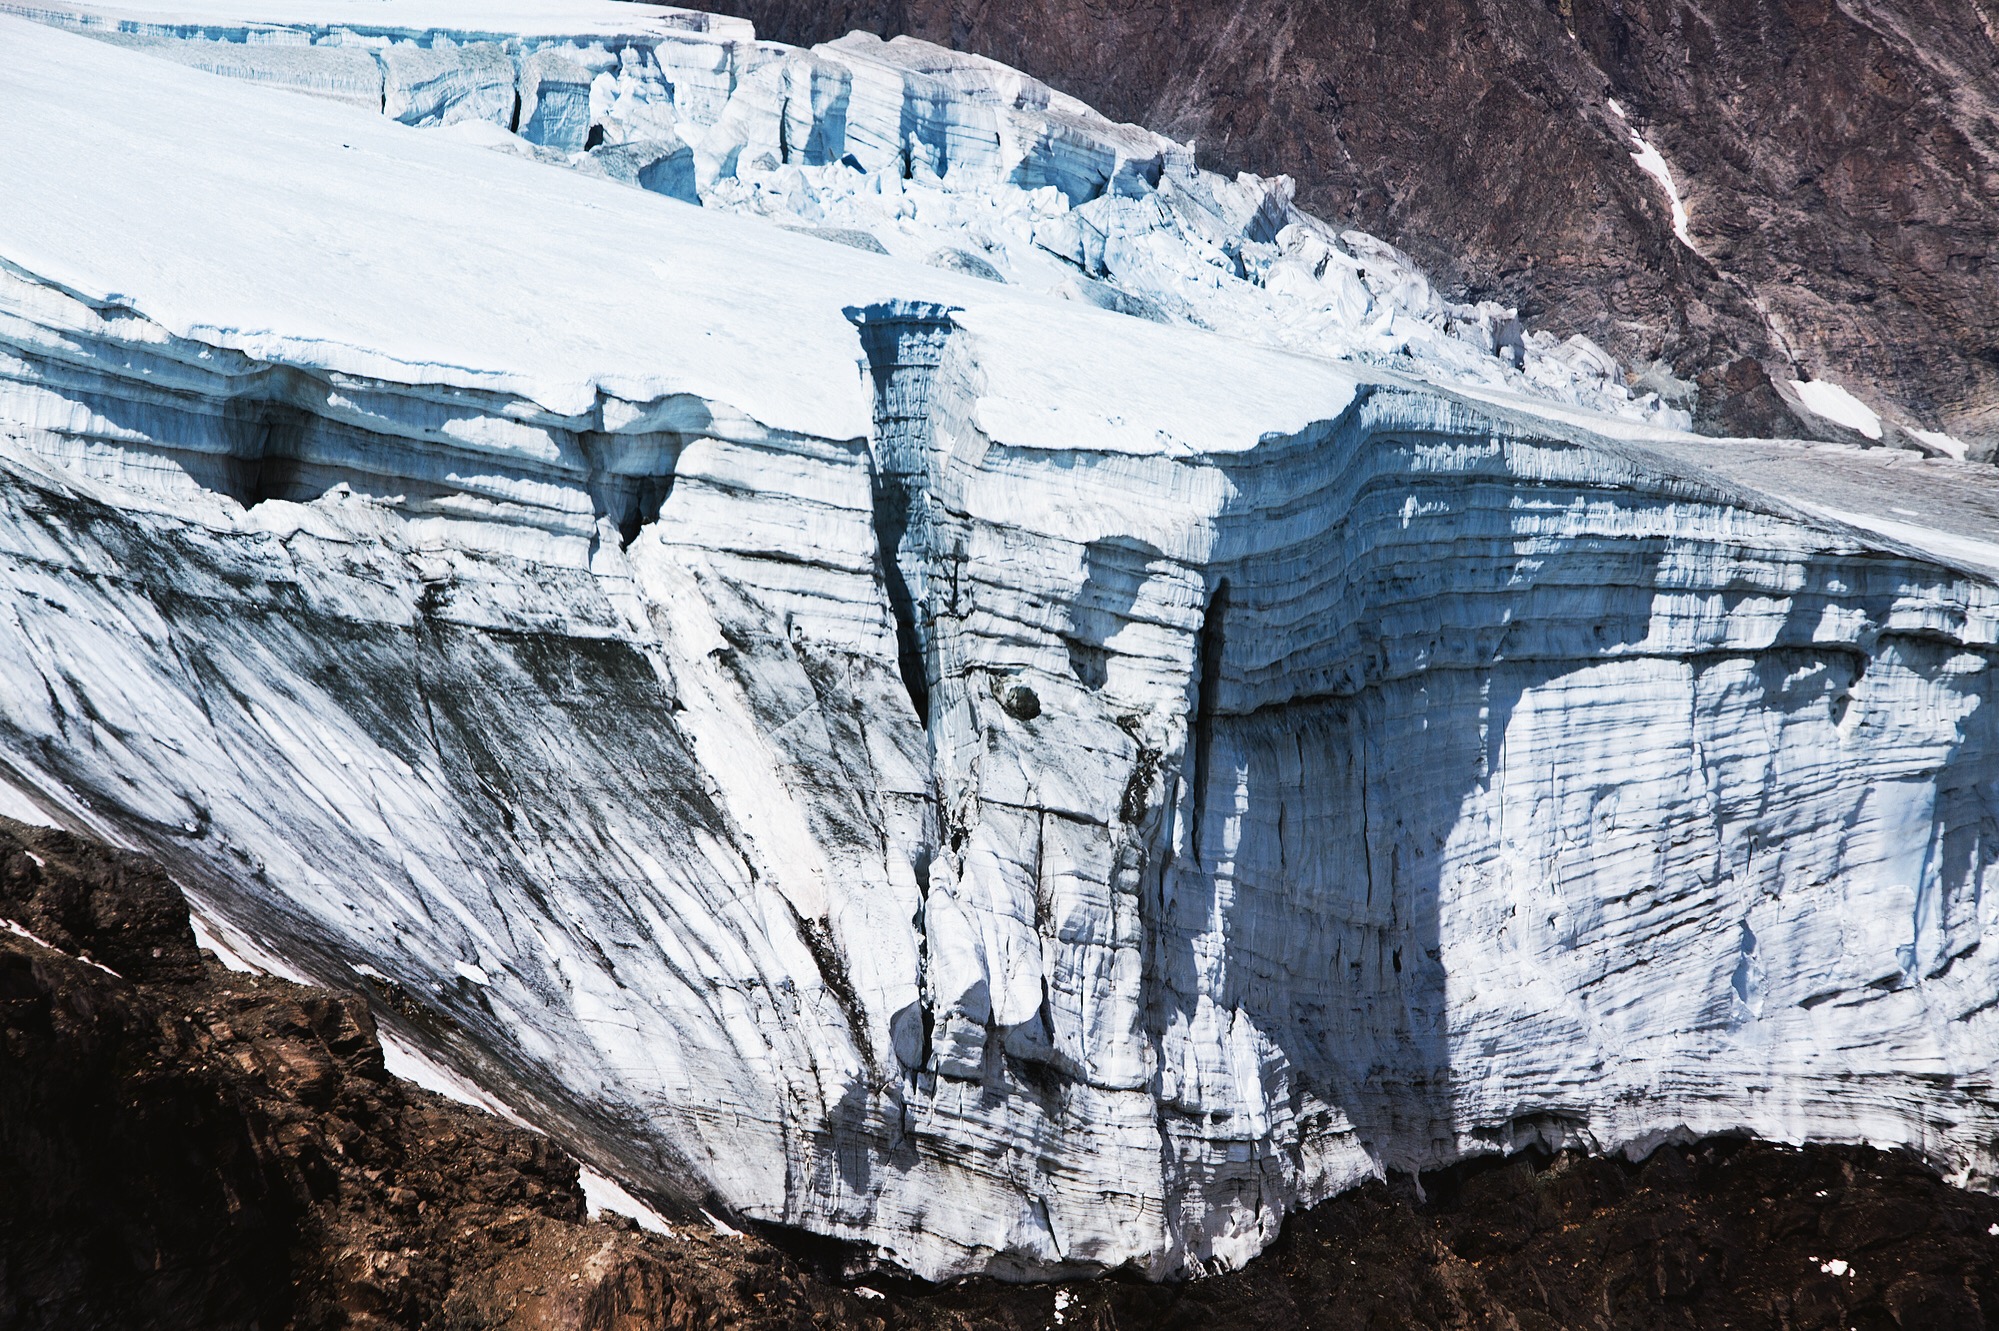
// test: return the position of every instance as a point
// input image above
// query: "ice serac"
(898, 147)
(1016, 787)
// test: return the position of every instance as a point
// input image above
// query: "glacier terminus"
(880, 654)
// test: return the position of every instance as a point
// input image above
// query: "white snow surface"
(499, 309)
(1015, 786)
(901, 146)
(1824, 398)
(606, 1194)
(16, 804)
(1967, 552)
(1653, 163)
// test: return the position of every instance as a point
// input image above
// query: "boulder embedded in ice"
(914, 759)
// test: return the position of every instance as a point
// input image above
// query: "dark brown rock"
(186, 1147)
(1840, 162)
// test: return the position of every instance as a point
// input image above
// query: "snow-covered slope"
(1018, 786)
(901, 146)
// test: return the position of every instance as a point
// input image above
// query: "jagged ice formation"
(900, 147)
(1017, 786)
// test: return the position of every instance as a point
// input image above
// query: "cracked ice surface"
(859, 746)
(900, 147)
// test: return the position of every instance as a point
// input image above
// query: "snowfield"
(877, 653)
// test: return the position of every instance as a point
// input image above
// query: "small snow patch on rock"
(1653, 163)
(1948, 445)
(406, 1061)
(1824, 398)
(601, 1194)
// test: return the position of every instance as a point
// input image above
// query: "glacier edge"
(1041, 810)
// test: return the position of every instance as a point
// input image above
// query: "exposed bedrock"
(994, 842)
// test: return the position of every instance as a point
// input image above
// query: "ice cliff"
(925, 760)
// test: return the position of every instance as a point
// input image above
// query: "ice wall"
(1017, 788)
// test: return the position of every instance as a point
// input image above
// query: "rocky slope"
(1008, 785)
(183, 1145)
(1839, 164)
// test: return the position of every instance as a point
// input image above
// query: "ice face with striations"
(1018, 787)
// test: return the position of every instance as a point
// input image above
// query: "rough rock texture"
(1839, 162)
(185, 1146)
(1719, 1234)
(1843, 163)
(875, 751)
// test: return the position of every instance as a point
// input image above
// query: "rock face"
(1012, 786)
(187, 1147)
(1838, 164)
(192, 1146)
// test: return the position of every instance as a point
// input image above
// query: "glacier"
(1018, 776)
(898, 147)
